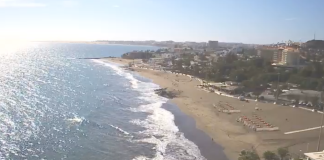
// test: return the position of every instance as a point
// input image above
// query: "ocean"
(55, 105)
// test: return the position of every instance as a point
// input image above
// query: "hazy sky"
(248, 21)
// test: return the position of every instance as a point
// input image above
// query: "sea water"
(54, 105)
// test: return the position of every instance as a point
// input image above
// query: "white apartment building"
(290, 57)
(212, 44)
(167, 55)
(314, 156)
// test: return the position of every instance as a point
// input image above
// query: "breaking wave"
(159, 125)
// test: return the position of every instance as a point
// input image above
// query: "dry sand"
(224, 129)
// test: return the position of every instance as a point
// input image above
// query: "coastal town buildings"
(236, 50)
(285, 57)
(212, 45)
(167, 55)
(277, 55)
(154, 61)
(314, 155)
(267, 53)
(290, 57)
(192, 63)
(196, 58)
(178, 50)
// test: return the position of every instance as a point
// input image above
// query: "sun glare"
(7, 46)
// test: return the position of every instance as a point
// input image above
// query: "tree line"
(253, 73)
(281, 154)
(147, 54)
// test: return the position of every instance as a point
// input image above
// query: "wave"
(121, 72)
(75, 120)
(119, 129)
(161, 129)
(159, 125)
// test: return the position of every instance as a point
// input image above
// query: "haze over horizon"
(254, 22)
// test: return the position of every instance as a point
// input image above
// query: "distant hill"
(315, 44)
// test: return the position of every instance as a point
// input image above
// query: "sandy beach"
(225, 130)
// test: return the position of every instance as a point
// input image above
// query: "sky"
(246, 21)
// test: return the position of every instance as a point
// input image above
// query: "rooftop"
(291, 49)
(315, 155)
(302, 92)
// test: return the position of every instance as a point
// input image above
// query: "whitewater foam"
(161, 129)
(119, 129)
(159, 124)
(75, 120)
(165, 134)
(133, 81)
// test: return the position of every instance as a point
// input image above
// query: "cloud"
(69, 3)
(290, 19)
(20, 3)
(116, 6)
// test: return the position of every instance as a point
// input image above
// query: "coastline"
(196, 106)
(224, 128)
(187, 125)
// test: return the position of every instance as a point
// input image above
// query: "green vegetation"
(255, 73)
(138, 55)
(315, 44)
(268, 155)
(282, 154)
(248, 155)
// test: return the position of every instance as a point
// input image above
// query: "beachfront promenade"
(298, 128)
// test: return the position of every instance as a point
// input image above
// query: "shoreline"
(224, 128)
(187, 125)
(187, 106)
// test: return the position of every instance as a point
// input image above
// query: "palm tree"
(283, 153)
(268, 155)
(248, 155)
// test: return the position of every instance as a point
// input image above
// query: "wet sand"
(187, 125)
(224, 129)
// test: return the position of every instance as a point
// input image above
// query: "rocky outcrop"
(164, 92)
